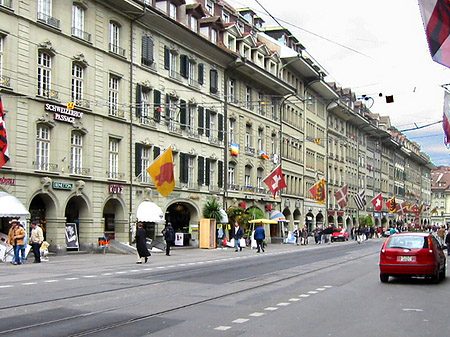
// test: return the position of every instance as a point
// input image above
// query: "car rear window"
(408, 242)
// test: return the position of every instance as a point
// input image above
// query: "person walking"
(304, 236)
(141, 244)
(238, 235)
(169, 236)
(36, 239)
(16, 240)
(259, 236)
(11, 240)
(447, 242)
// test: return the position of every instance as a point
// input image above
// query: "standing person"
(304, 236)
(169, 236)
(36, 239)
(11, 240)
(238, 235)
(259, 236)
(447, 242)
(359, 234)
(17, 238)
(297, 236)
(141, 244)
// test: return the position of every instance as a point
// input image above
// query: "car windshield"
(408, 242)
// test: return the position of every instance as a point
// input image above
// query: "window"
(231, 42)
(231, 90)
(77, 83)
(44, 74)
(42, 148)
(147, 58)
(76, 153)
(194, 23)
(78, 23)
(191, 120)
(248, 136)
(190, 73)
(170, 62)
(210, 6)
(214, 81)
(172, 116)
(210, 172)
(248, 180)
(261, 103)
(143, 101)
(145, 162)
(214, 36)
(260, 139)
(113, 96)
(191, 167)
(113, 160)
(248, 98)
(273, 143)
(231, 173)
(259, 179)
(231, 129)
(45, 13)
(114, 39)
(226, 17)
(172, 10)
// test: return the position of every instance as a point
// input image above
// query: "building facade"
(90, 102)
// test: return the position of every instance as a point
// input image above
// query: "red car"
(412, 254)
(339, 234)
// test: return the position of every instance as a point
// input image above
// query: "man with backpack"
(169, 236)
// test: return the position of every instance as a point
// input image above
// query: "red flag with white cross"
(275, 180)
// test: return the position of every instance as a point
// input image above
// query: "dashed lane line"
(241, 320)
(257, 314)
(222, 328)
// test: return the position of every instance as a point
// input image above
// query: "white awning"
(223, 216)
(148, 211)
(11, 207)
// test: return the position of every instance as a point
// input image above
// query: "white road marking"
(161, 267)
(270, 309)
(294, 299)
(283, 304)
(51, 281)
(257, 314)
(71, 278)
(134, 270)
(241, 320)
(7, 286)
(106, 274)
(222, 328)
(121, 272)
(312, 292)
(320, 289)
(148, 269)
(409, 309)
(28, 283)
(89, 276)
(328, 286)
(303, 295)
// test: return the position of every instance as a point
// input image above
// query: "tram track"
(172, 273)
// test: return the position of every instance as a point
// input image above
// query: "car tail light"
(430, 244)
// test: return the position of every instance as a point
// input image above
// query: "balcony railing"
(82, 103)
(81, 34)
(5, 81)
(115, 112)
(115, 175)
(49, 20)
(116, 50)
(234, 187)
(147, 120)
(175, 75)
(250, 150)
(49, 93)
(79, 170)
(6, 3)
(43, 166)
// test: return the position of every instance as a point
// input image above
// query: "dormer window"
(173, 10)
(213, 36)
(231, 42)
(226, 17)
(194, 23)
(210, 6)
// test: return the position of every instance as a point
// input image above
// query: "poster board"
(179, 239)
(72, 236)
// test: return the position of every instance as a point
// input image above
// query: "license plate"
(406, 258)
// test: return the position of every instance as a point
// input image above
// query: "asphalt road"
(324, 290)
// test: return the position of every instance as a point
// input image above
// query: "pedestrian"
(441, 234)
(36, 239)
(238, 235)
(359, 234)
(141, 244)
(304, 236)
(15, 239)
(11, 240)
(259, 236)
(169, 236)
(297, 236)
(447, 242)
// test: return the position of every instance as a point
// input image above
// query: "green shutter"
(183, 114)
(138, 100)
(184, 61)
(200, 73)
(220, 174)
(201, 170)
(138, 157)
(220, 127)
(201, 123)
(157, 106)
(207, 170)
(166, 58)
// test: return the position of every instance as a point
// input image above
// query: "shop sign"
(340, 213)
(194, 197)
(331, 212)
(115, 189)
(7, 181)
(63, 114)
(61, 186)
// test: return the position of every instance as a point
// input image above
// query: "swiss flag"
(377, 202)
(275, 180)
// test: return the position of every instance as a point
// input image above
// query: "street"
(318, 290)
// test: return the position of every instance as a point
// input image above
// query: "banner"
(161, 171)
(360, 199)
(318, 191)
(4, 157)
(392, 205)
(275, 180)
(342, 197)
(377, 203)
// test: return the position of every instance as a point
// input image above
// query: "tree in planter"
(211, 210)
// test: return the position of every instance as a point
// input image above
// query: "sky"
(372, 47)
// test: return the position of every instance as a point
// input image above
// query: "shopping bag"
(242, 242)
(230, 243)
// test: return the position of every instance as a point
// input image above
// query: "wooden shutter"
(201, 118)
(220, 127)
(213, 81)
(183, 167)
(156, 152)
(184, 62)
(183, 114)
(138, 157)
(157, 106)
(208, 122)
(167, 116)
(220, 173)
(207, 170)
(201, 69)
(138, 100)
(166, 58)
(201, 170)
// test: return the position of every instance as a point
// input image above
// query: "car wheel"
(442, 273)
(436, 277)
(384, 278)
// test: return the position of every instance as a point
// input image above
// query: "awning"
(223, 216)
(11, 207)
(148, 211)
(263, 221)
(277, 216)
